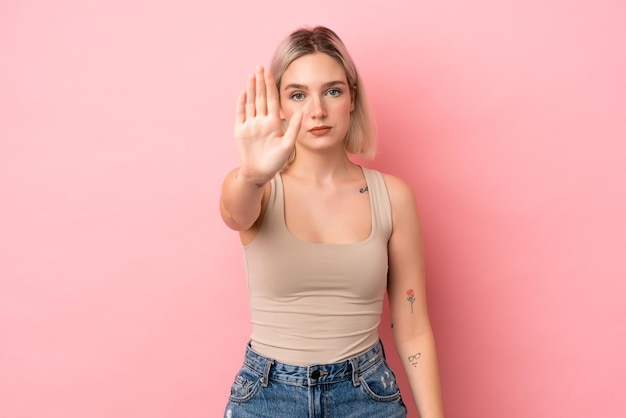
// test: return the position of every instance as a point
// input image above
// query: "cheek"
(286, 111)
(347, 109)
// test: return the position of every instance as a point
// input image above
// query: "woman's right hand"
(263, 145)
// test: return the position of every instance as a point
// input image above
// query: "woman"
(324, 238)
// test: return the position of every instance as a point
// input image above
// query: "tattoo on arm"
(414, 359)
(410, 297)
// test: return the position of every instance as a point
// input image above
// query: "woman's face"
(316, 85)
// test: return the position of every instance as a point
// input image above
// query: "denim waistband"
(315, 374)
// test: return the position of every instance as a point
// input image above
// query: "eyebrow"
(303, 87)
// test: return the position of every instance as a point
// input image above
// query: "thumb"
(289, 138)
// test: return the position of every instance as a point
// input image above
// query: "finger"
(289, 138)
(250, 93)
(260, 99)
(273, 100)
(240, 112)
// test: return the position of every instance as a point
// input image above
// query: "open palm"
(262, 143)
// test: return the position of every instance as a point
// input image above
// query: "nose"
(318, 110)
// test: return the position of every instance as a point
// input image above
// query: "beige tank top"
(317, 303)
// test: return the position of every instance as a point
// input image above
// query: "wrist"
(256, 181)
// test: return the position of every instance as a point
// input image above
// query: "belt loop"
(382, 348)
(355, 371)
(265, 380)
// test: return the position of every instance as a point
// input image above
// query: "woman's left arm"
(406, 290)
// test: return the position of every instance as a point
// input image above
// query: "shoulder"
(404, 210)
(400, 192)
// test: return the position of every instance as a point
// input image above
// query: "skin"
(322, 199)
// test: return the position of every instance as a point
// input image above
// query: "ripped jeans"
(363, 386)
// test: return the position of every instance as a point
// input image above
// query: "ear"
(353, 98)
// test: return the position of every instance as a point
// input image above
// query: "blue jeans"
(363, 386)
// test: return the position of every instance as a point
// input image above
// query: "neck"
(322, 168)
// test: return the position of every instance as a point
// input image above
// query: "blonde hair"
(360, 138)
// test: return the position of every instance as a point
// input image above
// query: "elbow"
(234, 223)
(238, 221)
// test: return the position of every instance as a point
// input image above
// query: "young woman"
(324, 238)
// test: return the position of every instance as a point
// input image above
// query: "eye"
(297, 96)
(334, 92)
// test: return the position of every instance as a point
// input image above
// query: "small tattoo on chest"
(363, 189)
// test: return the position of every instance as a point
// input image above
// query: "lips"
(319, 130)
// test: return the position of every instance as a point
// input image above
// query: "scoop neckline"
(303, 241)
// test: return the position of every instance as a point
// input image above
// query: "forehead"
(311, 69)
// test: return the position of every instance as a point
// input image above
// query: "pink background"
(122, 294)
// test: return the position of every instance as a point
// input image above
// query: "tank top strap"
(276, 202)
(379, 198)
(274, 217)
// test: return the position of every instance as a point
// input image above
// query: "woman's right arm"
(263, 149)
(240, 203)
